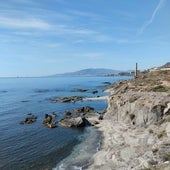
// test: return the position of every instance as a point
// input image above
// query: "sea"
(36, 147)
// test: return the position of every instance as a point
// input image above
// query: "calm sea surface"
(34, 146)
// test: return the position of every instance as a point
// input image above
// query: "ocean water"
(33, 146)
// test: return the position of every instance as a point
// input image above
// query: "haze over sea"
(33, 146)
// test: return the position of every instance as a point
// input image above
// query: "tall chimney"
(136, 71)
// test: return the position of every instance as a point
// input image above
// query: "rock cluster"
(81, 117)
(70, 99)
(49, 121)
(29, 119)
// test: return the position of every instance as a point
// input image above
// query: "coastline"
(135, 128)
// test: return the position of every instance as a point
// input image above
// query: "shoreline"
(135, 129)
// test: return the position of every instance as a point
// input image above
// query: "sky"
(45, 37)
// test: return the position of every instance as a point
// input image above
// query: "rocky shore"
(136, 126)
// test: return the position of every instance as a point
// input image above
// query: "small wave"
(3, 91)
(81, 156)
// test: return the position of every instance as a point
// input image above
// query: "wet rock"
(107, 83)
(95, 91)
(49, 122)
(84, 110)
(24, 101)
(70, 99)
(82, 116)
(79, 90)
(67, 113)
(73, 122)
(89, 113)
(41, 90)
(53, 99)
(54, 114)
(29, 119)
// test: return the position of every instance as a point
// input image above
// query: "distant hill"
(90, 72)
(167, 65)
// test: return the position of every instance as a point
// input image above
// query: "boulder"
(29, 119)
(49, 122)
(83, 116)
(73, 122)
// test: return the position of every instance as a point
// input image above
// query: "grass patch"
(162, 134)
(161, 88)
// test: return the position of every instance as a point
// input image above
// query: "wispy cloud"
(155, 12)
(24, 23)
(76, 13)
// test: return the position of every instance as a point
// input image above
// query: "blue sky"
(43, 37)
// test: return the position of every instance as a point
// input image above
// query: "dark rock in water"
(53, 99)
(79, 90)
(49, 122)
(41, 90)
(107, 83)
(95, 91)
(70, 99)
(54, 114)
(29, 119)
(67, 113)
(24, 101)
(3, 91)
(84, 110)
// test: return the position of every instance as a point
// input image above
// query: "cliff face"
(141, 107)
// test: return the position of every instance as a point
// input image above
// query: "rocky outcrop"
(136, 126)
(29, 119)
(138, 108)
(49, 121)
(84, 110)
(83, 116)
(70, 99)
(73, 122)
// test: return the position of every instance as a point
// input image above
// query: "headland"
(136, 126)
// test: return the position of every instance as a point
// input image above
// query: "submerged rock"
(24, 101)
(53, 99)
(42, 90)
(79, 90)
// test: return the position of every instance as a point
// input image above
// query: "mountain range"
(91, 72)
